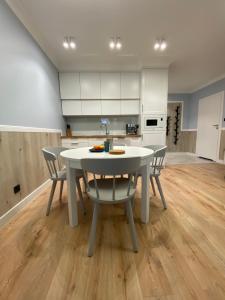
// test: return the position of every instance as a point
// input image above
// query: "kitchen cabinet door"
(130, 107)
(91, 107)
(69, 85)
(110, 85)
(110, 107)
(90, 85)
(130, 85)
(154, 138)
(71, 108)
(154, 91)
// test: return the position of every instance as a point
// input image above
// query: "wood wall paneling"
(186, 139)
(222, 145)
(22, 163)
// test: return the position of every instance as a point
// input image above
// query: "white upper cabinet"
(90, 85)
(110, 85)
(130, 85)
(130, 107)
(111, 107)
(91, 107)
(69, 85)
(154, 91)
(71, 107)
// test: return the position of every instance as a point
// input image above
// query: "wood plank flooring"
(182, 250)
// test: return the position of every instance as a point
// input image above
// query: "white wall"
(29, 89)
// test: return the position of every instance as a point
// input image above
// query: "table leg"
(145, 195)
(72, 195)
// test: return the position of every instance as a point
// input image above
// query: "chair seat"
(105, 187)
(61, 175)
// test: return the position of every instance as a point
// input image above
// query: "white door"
(209, 121)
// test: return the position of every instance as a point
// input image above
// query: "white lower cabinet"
(110, 107)
(71, 107)
(91, 107)
(154, 138)
(130, 107)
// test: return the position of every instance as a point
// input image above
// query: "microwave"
(154, 122)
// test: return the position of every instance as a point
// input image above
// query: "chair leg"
(153, 186)
(161, 192)
(80, 196)
(61, 190)
(51, 197)
(132, 226)
(91, 243)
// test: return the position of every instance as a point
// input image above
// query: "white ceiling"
(195, 30)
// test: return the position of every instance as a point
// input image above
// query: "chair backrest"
(111, 167)
(155, 147)
(158, 159)
(52, 155)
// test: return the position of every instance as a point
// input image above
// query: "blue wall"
(29, 89)
(190, 117)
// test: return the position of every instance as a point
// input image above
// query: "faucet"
(105, 123)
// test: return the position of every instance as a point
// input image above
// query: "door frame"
(222, 93)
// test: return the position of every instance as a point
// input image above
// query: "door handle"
(216, 126)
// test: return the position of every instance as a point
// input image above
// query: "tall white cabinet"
(154, 91)
(154, 94)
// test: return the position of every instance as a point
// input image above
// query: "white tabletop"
(81, 153)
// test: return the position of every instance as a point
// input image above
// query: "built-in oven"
(154, 122)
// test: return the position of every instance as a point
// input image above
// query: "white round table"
(73, 159)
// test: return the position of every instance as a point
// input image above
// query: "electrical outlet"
(16, 188)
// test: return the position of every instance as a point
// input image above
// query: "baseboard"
(14, 210)
(220, 161)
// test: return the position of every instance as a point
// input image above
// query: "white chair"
(58, 173)
(156, 167)
(112, 190)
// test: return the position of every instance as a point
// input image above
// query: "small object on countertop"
(106, 144)
(96, 150)
(68, 131)
(117, 151)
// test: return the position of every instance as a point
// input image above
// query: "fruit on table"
(98, 147)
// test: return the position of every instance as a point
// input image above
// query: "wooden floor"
(182, 250)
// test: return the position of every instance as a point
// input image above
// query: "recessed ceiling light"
(65, 43)
(156, 45)
(160, 45)
(69, 42)
(118, 44)
(163, 45)
(112, 44)
(72, 43)
(115, 43)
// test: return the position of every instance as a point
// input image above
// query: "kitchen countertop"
(101, 136)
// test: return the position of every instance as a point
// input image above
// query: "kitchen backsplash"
(91, 125)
